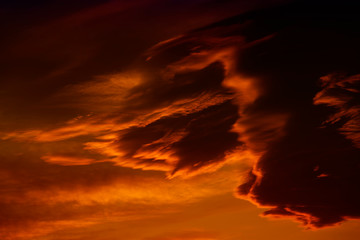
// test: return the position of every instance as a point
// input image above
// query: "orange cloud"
(67, 161)
(91, 199)
(167, 116)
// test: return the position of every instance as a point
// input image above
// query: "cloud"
(71, 43)
(245, 89)
(67, 161)
(306, 132)
(342, 93)
(149, 117)
(38, 198)
(176, 117)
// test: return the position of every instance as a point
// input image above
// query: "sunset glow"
(180, 120)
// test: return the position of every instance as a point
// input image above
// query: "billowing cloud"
(307, 128)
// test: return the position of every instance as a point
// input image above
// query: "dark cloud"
(176, 116)
(194, 141)
(310, 172)
(306, 170)
(342, 94)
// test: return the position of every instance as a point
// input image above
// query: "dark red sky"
(166, 120)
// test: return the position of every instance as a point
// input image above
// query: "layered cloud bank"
(274, 93)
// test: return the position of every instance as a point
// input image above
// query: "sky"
(179, 120)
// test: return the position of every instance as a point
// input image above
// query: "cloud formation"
(266, 91)
(308, 169)
(342, 93)
(176, 117)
